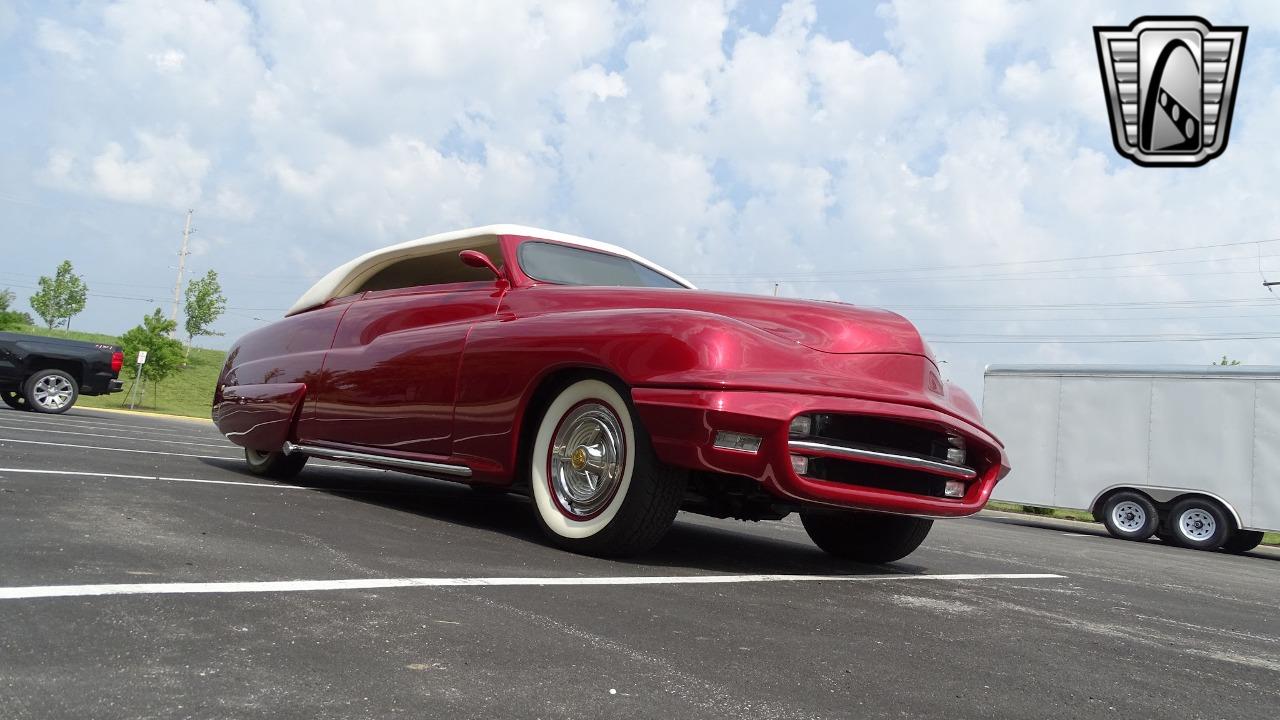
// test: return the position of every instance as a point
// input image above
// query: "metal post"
(138, 380)
(182, 264)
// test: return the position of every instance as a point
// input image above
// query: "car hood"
(828, 327)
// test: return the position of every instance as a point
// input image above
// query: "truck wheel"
(51, 391)
(1242, 541)
(865, 537)
(274, 464)
(1130, 516)
(596, 484)
(14, 400)
(1199, 524)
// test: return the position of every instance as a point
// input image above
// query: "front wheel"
(274, 464)
(51, 391)
(865, 537)
(597, 486)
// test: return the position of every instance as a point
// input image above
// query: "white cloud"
(57, 39)
(593, 84)
(163, 170)
(975, 134)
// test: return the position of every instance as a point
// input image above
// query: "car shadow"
(694, 542)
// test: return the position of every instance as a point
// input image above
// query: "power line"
(1097, 319)
(984, 278)
(1005, 263)
(1135, 304)
(1098, 341)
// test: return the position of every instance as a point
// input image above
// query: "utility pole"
(182, 264)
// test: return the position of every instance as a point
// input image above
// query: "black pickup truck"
(48, 375)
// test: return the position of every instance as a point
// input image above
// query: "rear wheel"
(596, 484)
(865, 537)
(14, 400)
(1130, 516)
(1242, 541)
(51, 391)
(1199, 524)
(274, 464)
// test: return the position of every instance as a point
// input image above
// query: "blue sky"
(834, 148)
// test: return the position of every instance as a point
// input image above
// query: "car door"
(390, 377)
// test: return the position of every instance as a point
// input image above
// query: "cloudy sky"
(920, 156)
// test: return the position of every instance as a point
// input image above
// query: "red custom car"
(613, 393)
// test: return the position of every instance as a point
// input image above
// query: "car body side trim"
(419, 465)
(880, 457)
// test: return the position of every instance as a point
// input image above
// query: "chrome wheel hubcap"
(588, 455)
(1129, 516)
(1197, 524)
(52, 392)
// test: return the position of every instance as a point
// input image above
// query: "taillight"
(117, 361)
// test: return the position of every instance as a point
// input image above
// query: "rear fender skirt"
(259, 417)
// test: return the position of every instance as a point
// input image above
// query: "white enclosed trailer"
(1188, 453)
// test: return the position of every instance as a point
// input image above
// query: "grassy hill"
(189, 391)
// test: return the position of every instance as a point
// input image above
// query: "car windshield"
(565, 265)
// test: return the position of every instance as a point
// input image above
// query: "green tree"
(164, 354)
(60, 297)
(1225, 362)
(10, 319)
(205, 303)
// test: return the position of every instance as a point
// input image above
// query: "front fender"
(504, 361)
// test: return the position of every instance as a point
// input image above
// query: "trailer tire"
(1130, 516)
(1242, 541)
(1199, 523)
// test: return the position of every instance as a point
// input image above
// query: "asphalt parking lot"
(143, 573)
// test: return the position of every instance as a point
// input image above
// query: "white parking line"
(64, 422)
(98, 420)
(111, 449)
(183, 455)
(50, 591)
(224, 446)
(119, 476)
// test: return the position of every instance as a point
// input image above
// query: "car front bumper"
(683, 424)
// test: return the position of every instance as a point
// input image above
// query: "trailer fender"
(1164, 496)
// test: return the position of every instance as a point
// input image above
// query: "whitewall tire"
(597, 488)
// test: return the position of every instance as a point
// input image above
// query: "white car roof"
(344, 279)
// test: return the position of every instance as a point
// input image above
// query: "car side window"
(564, 265)
(440, 268)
